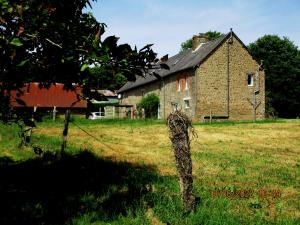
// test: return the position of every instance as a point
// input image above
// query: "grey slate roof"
(182, 61)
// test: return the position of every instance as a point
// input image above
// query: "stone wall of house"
(182, 98)
(212, 82)
(134, 96)
(169, 94)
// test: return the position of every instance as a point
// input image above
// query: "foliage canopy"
(55, 41)
(281, 59)
(102, 78)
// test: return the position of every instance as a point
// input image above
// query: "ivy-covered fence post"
(179, 125)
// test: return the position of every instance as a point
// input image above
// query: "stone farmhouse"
(216, 79)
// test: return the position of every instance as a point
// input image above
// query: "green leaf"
(84, 67)
(23, 62)
(10, 9)
(110, 42)
(105, 58)
(16, 42)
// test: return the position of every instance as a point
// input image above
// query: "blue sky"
(167, 23)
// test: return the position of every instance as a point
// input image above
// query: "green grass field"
(123, 172)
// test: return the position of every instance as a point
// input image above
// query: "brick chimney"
(197, 40)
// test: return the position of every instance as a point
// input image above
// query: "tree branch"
(53, 43)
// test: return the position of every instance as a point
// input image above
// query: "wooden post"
(54, 113)
(256, 90)
(158, 112)
(210, 116)
(254, 106)
(131, 113)
(65, 131)
(29, 133)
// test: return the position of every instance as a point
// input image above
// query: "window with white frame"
(187, 102)
(250, 80)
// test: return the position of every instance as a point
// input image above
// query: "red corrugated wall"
(49, 97)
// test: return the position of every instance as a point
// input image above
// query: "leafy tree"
(211, 35)
(55, 41)
(102, 78)
(150, 104)
(281, 60)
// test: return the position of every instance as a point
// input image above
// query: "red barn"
(52, 98)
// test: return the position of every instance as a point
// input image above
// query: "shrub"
(150, 104)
